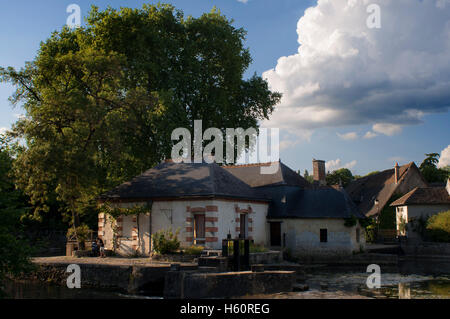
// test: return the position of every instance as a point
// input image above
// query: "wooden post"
(236, 255)
(246, 254)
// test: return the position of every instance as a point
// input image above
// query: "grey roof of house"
(293, 202)
(172, 180)
(197, 180)
(424, 196)
(379, 186)
(251, 174)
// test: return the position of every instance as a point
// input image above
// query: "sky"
(363, 87)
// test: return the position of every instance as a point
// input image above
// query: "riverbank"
(127, 275)
(155, 278)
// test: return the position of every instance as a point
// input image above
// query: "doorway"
(275, 234)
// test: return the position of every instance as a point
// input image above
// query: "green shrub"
(165, 241)
(350, 222)
(194, 250)
(254, 248)
(438, 227)
(370, 227)
(419, 225)
(83, 233)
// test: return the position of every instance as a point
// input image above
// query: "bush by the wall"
(165, 241)
(194, 250)
(438, 227)
(82, 233)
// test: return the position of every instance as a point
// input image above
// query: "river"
(413, 281)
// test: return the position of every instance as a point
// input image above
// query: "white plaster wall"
(401, 212)
(125, 243)
(173, 215)
(227, 220)
(303, 237)
(226, 216)
(414, 212)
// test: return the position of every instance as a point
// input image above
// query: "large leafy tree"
(101, 101)
(342, 176)
(14, 251)
(431, 172)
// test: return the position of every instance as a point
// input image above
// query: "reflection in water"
(39, 290)
(404, 290)
(416, 280)
(393, 285)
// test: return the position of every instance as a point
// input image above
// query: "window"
(323, 235)
(199, 226)
(127, 226)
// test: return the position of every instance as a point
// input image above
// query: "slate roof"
(172, 180)
(424, 196)
(293, 202)
(380, 186)
(251, 174)
(288, 194)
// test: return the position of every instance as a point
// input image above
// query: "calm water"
(412, 279)
(393, 285)
(37, 290)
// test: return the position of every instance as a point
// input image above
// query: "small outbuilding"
(417, 206)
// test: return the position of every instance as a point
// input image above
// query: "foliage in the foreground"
(431, 172)
(82, 233)
(14, 250)
(370, 226)
(387, 217)
(194, 250)
(256, 248)
(351, 221)
(166, 241)
(101, 101)
(438, 227)
(341, 176)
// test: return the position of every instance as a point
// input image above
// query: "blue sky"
(272, 34)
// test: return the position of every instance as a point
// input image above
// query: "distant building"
(420, 203)
(372, 193)
(207, 202)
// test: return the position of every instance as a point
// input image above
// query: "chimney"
(396, 173)
(319, 171)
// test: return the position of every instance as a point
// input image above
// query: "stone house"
(372, 193)
(420, 203)
(203, 201)
(308, 219)
(207, 202)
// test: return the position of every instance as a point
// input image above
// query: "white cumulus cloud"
(345, 73)
(387, 128)
(348, 136)
(370, 134)
(444, 160)
(337, 164)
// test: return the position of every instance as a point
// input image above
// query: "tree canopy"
(101, 101)
(14, 251)
(431, 172)
(342, 176)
